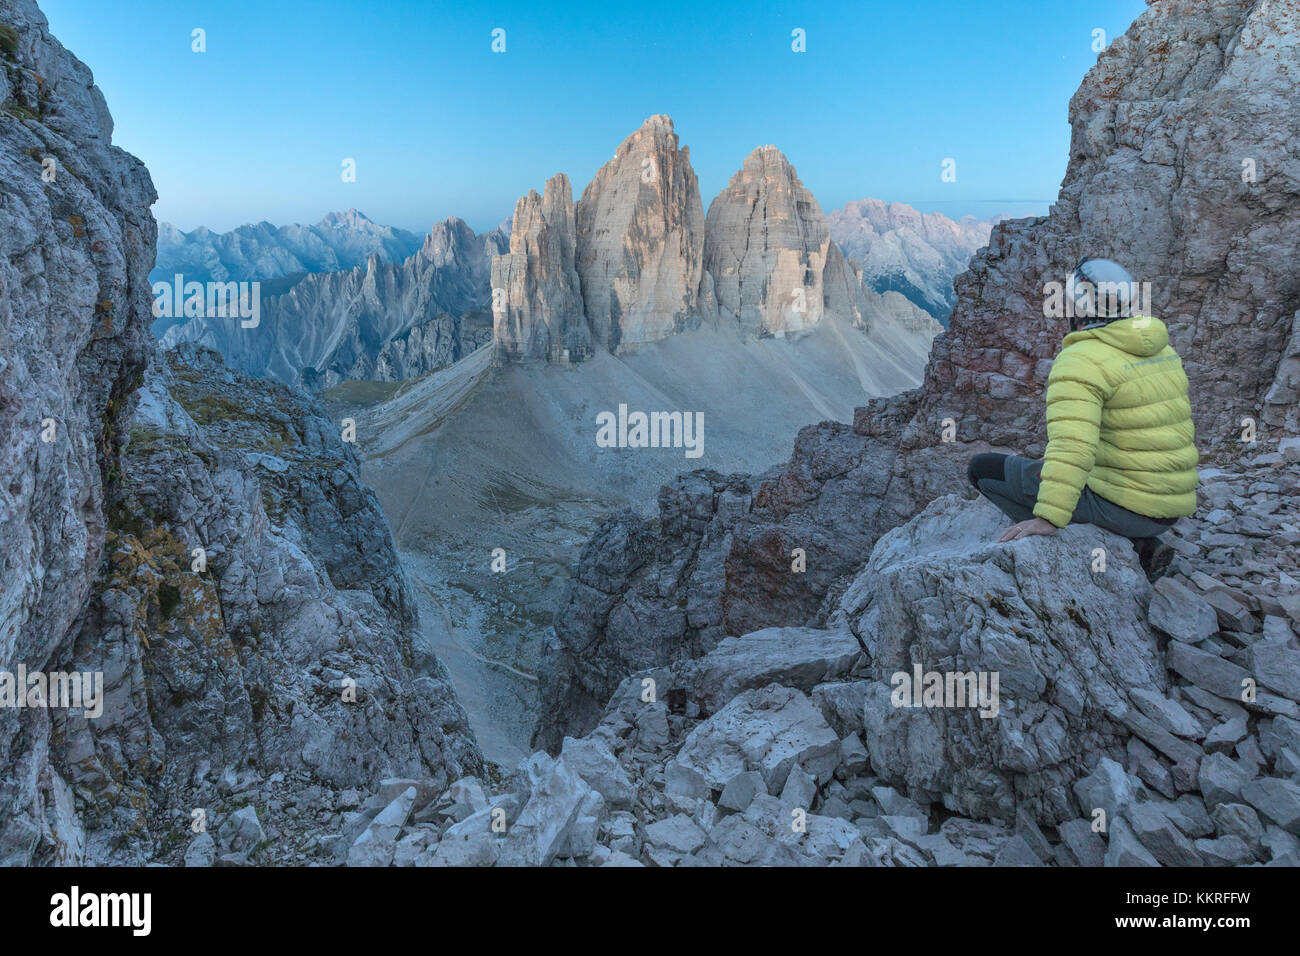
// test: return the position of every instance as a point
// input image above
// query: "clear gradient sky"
(257, 127)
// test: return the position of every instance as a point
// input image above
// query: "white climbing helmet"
(1100, 291)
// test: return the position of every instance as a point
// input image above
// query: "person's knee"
(985, 465)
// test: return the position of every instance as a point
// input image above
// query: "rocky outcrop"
(769, 253)
(417, 351)
(640, 232)
(339, 242)
(917, 255)
(537, 305)
(717, 562)
(331, 326)
(969, 704)
(256, 632)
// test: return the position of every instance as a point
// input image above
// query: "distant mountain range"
(342, 240)
(899, 250)
(633, 260)
(906, 251)
(263, 252)
(384, 319)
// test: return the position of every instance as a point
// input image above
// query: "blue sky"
(258, 126)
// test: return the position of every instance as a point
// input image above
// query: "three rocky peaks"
(635, 259)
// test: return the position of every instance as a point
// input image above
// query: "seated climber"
(1121, 450)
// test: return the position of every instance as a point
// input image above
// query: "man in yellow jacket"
(1121, 450)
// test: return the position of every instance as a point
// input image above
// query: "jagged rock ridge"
(331, 326)
(640, 240)
(631, 262)
(340, 241)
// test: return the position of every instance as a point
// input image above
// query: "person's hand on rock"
(1027, 528)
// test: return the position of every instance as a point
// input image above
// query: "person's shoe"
(1154, 556)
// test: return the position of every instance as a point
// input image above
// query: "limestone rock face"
(331, 326)
(199, 540)
(74, 303)
(768, 251)
(417, 351)
(537, 307)
(241, 668)
(844, 295)
(641, 240)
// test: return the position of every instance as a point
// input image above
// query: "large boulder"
(798, 657)
(771, 729)
(544, 825)
(1034, 646)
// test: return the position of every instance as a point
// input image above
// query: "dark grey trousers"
(1016, 493)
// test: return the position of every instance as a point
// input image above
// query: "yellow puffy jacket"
(1118, 421)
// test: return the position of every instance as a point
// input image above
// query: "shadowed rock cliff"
(196, 541)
